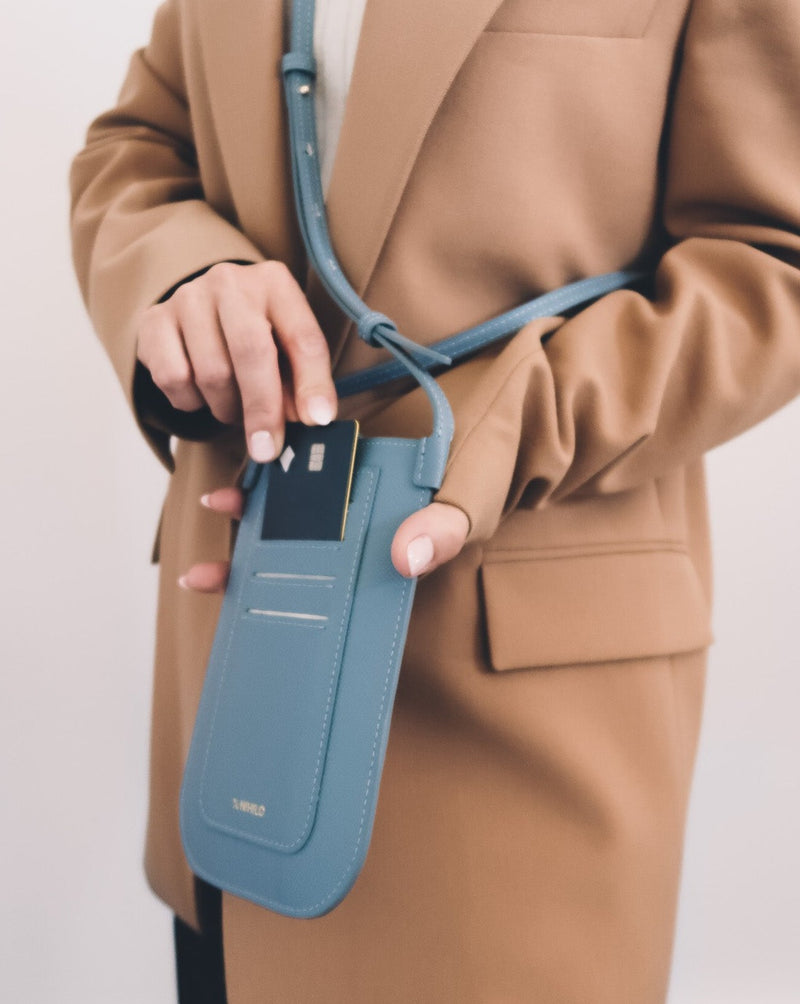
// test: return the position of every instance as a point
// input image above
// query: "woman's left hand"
(426, 539)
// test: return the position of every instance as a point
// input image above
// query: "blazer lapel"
(408, 55)
(242, 44)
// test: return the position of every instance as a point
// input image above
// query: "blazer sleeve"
(139, 221)
(632, 386)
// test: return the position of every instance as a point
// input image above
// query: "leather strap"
(464, 343)
(410, 358)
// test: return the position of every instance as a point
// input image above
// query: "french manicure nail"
(262, 447)
(320, 410)
(419, 554)
(204, 500)
(183, 582)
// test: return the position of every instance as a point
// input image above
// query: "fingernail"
(183, 582)
(320, 410)
(262, 447)
(205, 500)
(419, 554)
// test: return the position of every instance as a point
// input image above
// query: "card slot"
(301, 578)
(288, 597)
(294, 616)
(303, 563)
(310, 563)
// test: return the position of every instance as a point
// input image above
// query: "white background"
(79, 504)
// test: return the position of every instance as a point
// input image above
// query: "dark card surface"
(309, 483)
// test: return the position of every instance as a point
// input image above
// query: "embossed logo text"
(250, 807)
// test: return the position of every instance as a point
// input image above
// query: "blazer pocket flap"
(564, 610)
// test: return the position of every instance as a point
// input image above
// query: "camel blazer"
(491, 150)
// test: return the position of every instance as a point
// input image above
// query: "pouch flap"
(280, 657)
(569, 609)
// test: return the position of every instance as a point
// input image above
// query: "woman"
(528, 837)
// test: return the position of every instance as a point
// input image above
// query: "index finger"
(301, 338)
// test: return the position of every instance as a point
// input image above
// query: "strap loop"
(368, 324)
(299, 62)
(377, 330)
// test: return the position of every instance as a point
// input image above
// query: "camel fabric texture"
(528, 838)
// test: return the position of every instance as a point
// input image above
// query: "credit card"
(309, 483)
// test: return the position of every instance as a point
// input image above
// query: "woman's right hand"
(217, 340)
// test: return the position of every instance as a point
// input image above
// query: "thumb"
(428, 538)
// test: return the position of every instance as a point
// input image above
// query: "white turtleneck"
(337, 25)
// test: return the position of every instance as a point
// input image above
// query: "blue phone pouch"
(282, 779)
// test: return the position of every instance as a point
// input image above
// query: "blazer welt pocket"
(572, 609)
(594, 18)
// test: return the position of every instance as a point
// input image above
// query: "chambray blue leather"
(294, 715)
(281, 782)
